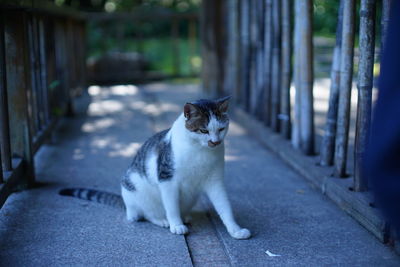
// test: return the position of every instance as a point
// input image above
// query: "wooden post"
(346, 69)
(253, 57)
(306, 77)
(18, 83)
(213, 47)
(286, 43)
(232, 55)
(34, 122)
(236, 50)
(267, 61)
(43, 69)
(276, 65)
(260, 8)
(297, 103)
(328, 140)
(4, 122)
(384, 21)
(365, 84)
(245, 52)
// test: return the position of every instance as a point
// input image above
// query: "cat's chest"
(197, 165)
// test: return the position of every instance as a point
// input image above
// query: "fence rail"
(262, 58)
(42, 68)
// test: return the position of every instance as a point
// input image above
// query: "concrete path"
(38, 227)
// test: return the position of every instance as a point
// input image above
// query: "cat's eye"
(204, 131)
(221, 129)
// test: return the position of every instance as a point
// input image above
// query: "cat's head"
(207, 120)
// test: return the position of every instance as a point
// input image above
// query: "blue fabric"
(383, 152)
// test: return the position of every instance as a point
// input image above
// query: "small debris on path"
(271, 254)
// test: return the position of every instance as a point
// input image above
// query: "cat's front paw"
(178, 229)
(241, 234)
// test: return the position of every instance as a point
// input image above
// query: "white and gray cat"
(175, 166)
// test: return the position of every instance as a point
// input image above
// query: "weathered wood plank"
(346, 77)
(245, 52)
(231, 84)
(276, 65)
(306, 77)
(285, 107)
(267, 62)
(365, 84)
(260, 78)
(384, 21)
(13, 179)
(43, 69)
(254, 43)
(4, 122)
(328, 139)
(18, 84)
(297, 101)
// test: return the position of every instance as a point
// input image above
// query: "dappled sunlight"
(123, 150)
(124, 90)
(101, 108)
(232, 158)
(235, 129)
(77, 154)
(94, 90)
(154, 109)
(101, 142)
(120, 90)
(97, 125)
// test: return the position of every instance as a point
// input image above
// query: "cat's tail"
(101, 197)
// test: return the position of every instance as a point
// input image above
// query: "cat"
(173, 168)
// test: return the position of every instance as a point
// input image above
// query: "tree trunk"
(286, 68)
(276, 65)
(346, 69)
(328, 140)
(365, 83)
(306, 78)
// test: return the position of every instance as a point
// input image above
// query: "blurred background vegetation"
(153, 38)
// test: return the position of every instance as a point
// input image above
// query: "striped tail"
(101, 197)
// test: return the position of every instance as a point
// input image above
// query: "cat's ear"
(190, 110)
(223, 104)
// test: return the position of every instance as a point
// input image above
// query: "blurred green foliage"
(325, 17)
(151, 39)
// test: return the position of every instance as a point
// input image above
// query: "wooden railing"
(250, 52)
(42, 67)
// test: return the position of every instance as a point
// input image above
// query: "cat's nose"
(213, 144)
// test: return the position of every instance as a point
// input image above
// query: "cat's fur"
(175, 166)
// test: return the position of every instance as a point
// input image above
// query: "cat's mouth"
(213, 144)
